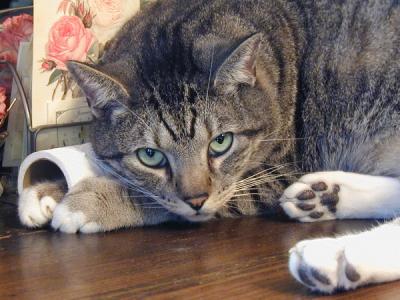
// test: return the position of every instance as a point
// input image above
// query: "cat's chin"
(199, 217)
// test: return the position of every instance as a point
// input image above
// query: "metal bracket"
(33, 132)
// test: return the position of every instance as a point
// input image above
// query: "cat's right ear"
(103, 93)
(239, 67)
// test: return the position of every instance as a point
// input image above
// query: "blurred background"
(14, 3)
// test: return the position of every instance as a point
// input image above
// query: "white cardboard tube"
(72, 164)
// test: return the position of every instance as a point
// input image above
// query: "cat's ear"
(240, 65)
(104, 94)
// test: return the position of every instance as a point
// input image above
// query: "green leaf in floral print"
(93, 53)
(102, 47)
(55, 76)
(71, 9)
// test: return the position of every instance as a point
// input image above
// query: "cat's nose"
(196, 202)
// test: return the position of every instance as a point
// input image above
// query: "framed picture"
(68, 30)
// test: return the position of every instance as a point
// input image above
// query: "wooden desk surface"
(225, 259)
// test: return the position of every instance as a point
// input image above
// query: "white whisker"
(282, 139)
(210, 72)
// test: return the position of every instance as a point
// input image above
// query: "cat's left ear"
(240, 65)
(105, 95)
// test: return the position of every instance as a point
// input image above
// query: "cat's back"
(350, 88)
(349, 36)
(176, 36)
(331, 36)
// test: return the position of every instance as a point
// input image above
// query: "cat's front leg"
(37, 203)
(341, 195)
(347, 262)
(100, 204)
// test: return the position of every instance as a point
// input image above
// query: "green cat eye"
(221, 144)
(151, 158)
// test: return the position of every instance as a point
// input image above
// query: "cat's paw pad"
(34, 211)
(312, 198)
(68, 221)
(322, 265)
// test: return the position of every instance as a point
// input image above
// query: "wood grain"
(224, 259)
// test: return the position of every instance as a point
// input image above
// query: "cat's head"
(184, 139)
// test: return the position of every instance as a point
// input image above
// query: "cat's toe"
(47, 206)
(311, 199)
(34, 211)
(68, 221)
(322, 265)
(315, 263)
(301, 202)
(297, 210)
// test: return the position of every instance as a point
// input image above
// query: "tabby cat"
(217, 108)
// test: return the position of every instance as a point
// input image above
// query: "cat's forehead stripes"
(180, 125)
(174, 94)
(169, 129)
(176, 111)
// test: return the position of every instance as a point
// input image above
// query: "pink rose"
(48, 65)
(7, 53)
(87, 20)
(3, 92)
(68, 40)
(106, 12)
(84, 15)
(3, 105)
(14, 30)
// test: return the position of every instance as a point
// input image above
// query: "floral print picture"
(71, 38)
(69, 30)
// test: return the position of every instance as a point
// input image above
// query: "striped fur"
(304, 86)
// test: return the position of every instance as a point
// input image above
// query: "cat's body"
(215, 108)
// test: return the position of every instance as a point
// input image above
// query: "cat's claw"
(313, 198)
(34, 211)
(69, 221)
(322, 265)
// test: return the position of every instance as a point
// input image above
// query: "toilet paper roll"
(72, 164)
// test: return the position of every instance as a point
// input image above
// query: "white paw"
(314, 197)
(69, 221)
(347, 262)
(35, 212)
(322, 265)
